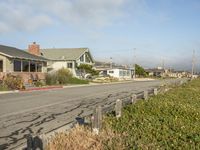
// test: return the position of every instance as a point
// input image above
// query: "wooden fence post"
(97, 120)
(36, 142)
(155, 91)
(29, 139)
(145, 95)
(133, 98)
(118, 108)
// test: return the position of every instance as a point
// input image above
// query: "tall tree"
(139, 70)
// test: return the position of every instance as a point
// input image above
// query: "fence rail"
(94, 117)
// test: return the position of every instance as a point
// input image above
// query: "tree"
(140, 71)
(87, 69)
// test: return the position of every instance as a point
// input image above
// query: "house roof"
(64, 53)
(13, 52)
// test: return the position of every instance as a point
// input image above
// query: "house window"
(124, 73)
(32, 67)
(120, 73)
(82, 58)
(128, 73)
(1, 65)
(25, 66)
(87, 59)
(17, 66)
(69, 65)
(111, 71)
(39, 67)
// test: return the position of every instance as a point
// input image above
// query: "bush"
(51, 79)
(77, 81)
(39, 83)
(63, 76)
(3, 88)
(13, 82)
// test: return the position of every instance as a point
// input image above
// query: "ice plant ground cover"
(166, 121)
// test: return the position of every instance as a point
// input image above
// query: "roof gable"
(64, 53)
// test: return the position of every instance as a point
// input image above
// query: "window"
(82, 58)
(87, 58)
(25, 66)
(111, 71)
(69, 65)
(120, 73)
(32, 67)
(124, 73)
(1, 65)
(39, 67)
(17, 66)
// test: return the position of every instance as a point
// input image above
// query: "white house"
(121, 73)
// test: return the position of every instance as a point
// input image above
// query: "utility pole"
(111, 62)
(134, 63)
(163, 64)
(193, 62)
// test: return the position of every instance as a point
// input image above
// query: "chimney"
(34, 49)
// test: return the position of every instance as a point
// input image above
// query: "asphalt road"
(43, 111)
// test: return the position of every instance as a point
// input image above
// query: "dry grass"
(81, 138)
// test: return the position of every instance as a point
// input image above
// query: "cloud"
(31, 15)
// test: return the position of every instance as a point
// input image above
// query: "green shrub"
(77, 81)
(39, 83)
(63, 76)
(3, 88)
(51, 79)
(13, 82)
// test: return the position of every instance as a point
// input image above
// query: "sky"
(146, 32)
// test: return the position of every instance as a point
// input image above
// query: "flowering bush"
(13, 82)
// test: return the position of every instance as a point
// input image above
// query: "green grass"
(2, 88)
(77, 81)
(165, 121)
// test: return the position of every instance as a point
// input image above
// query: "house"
(157, 72)
(121, 73)
(21, 63)
(178, 74)
(114, 70)
(68, 58)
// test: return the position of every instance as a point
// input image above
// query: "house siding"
(56, 65)
(4, 59)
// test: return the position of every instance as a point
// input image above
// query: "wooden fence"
(39, 142)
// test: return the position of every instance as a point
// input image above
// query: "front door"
(1, 65)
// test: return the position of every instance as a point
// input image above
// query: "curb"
(8, 92)
(42, 88)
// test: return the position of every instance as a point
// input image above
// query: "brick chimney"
(34, 49)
